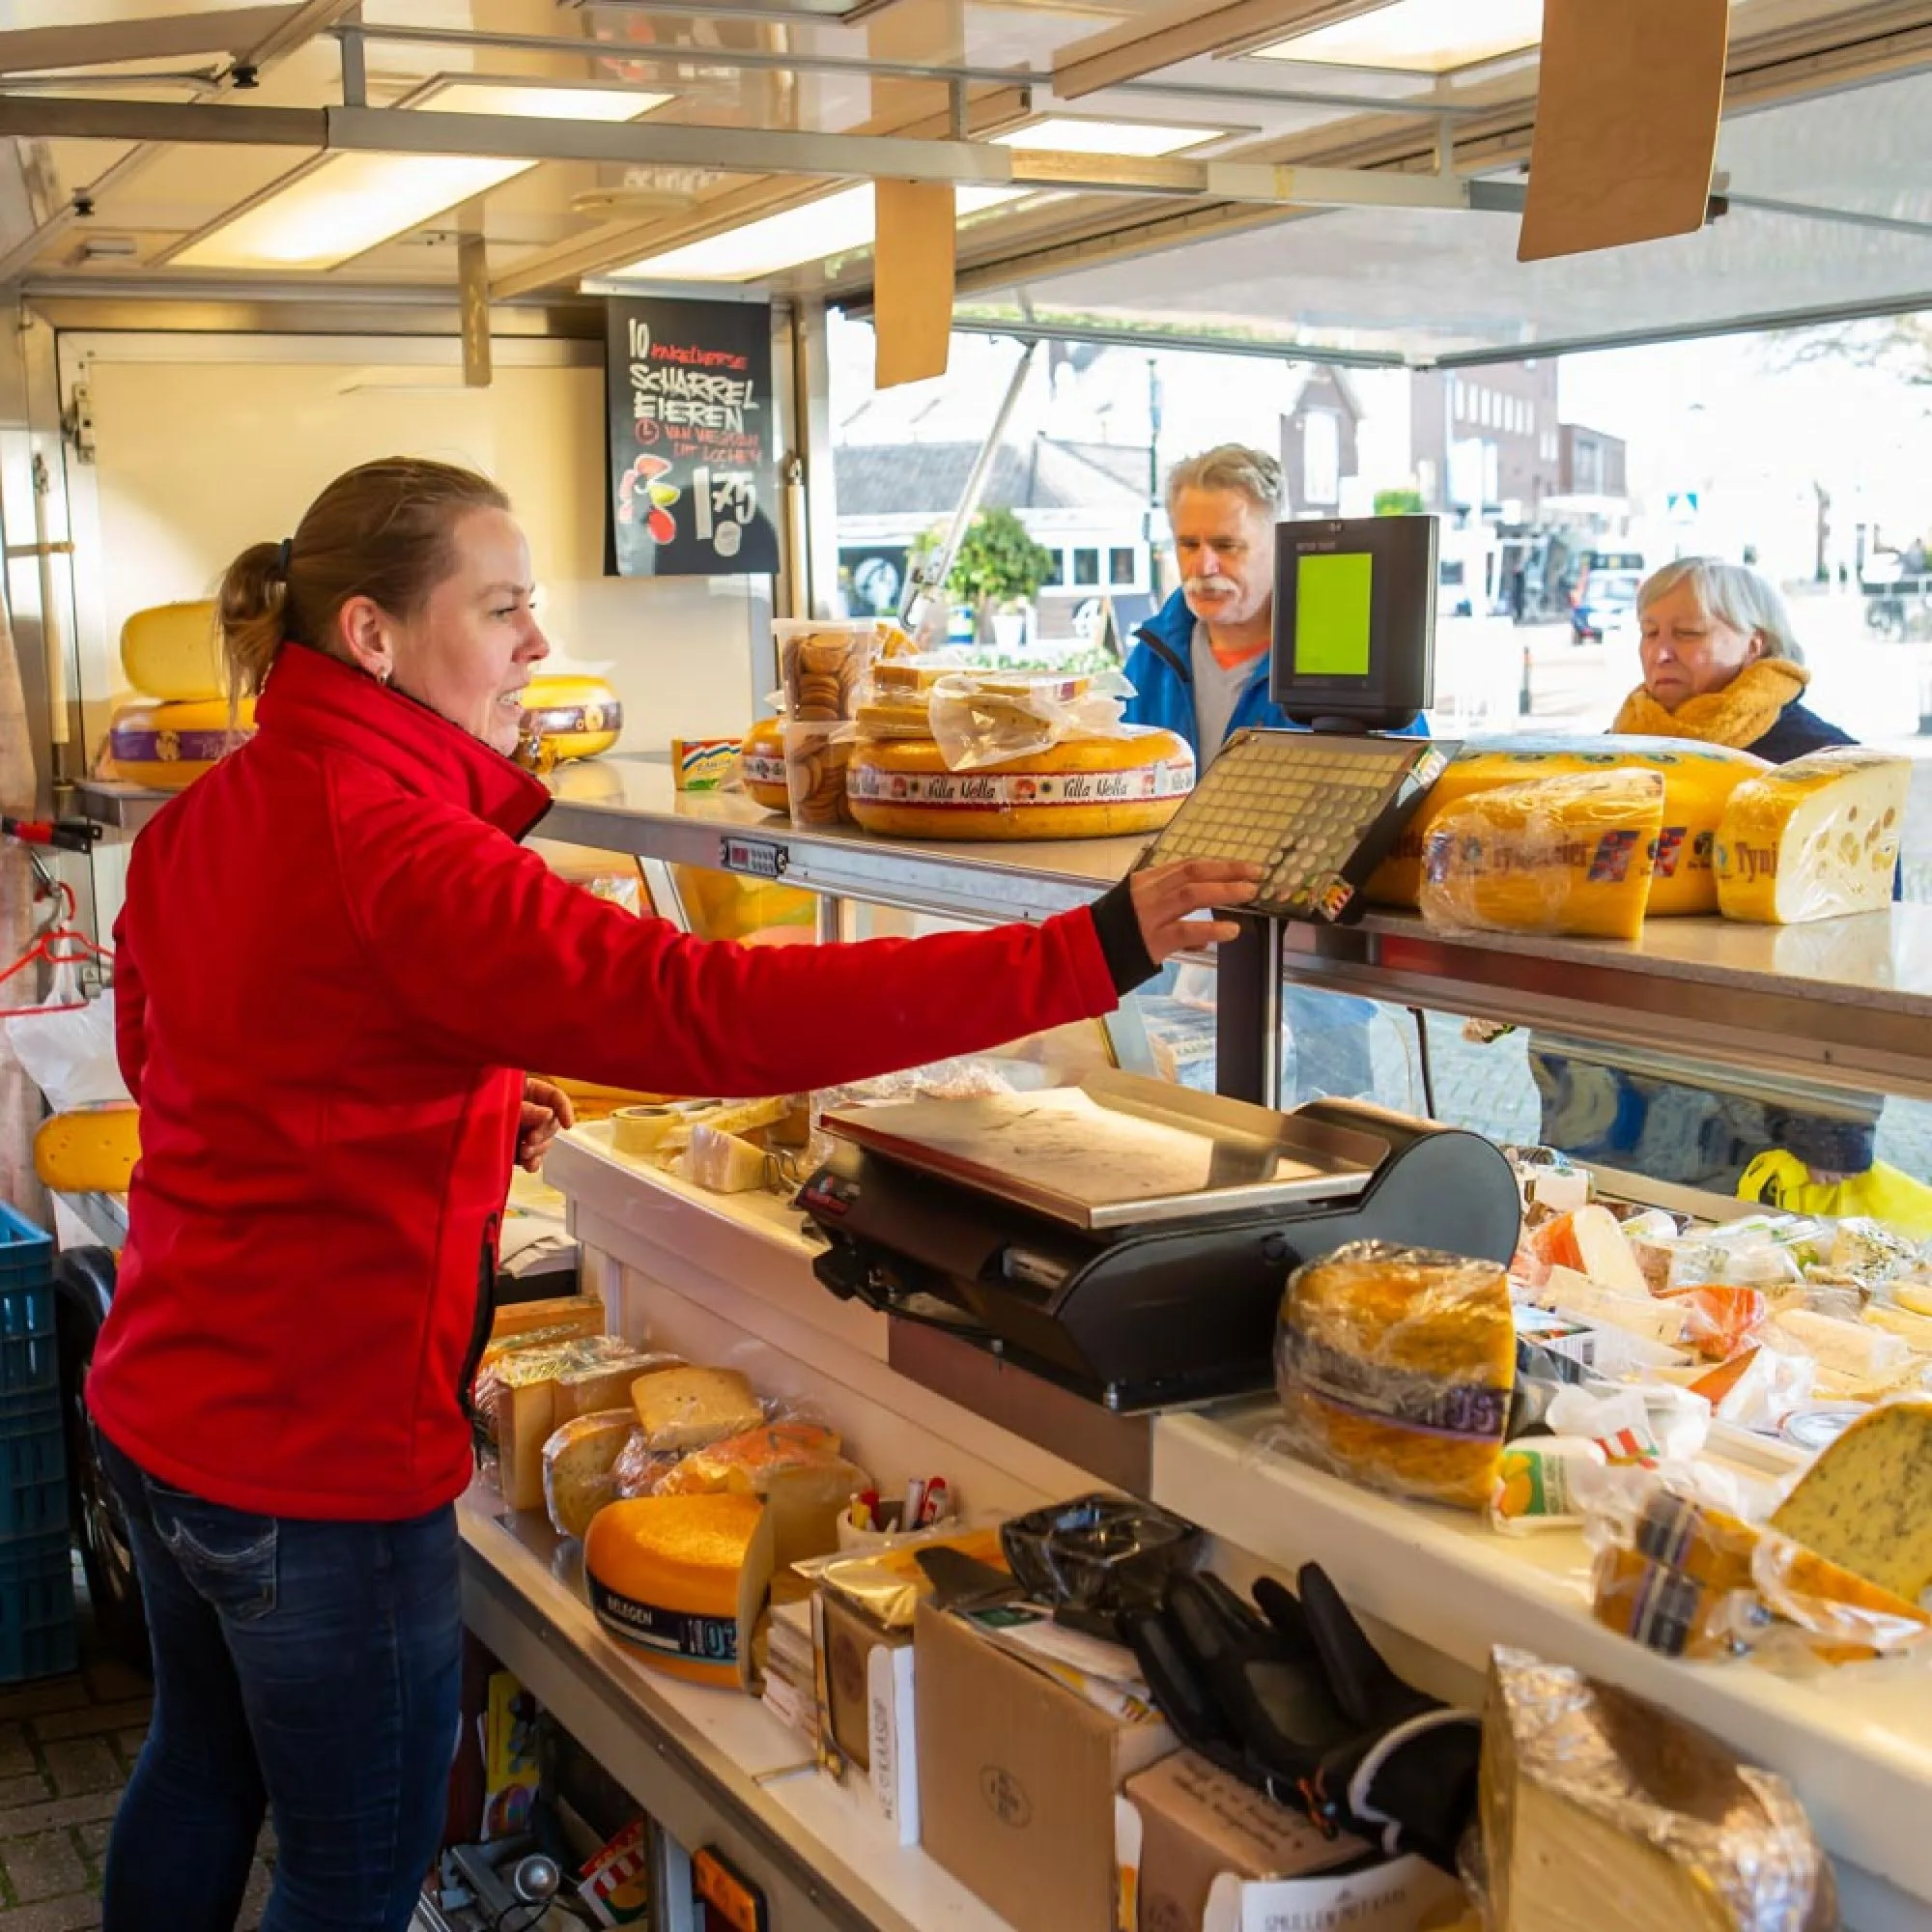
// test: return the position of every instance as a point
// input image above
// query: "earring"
(384, 675)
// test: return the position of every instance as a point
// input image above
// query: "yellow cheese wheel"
(1081, 789)
(91, 1151)
(169, 746)
(576, 717)
(174, 652)
(762, 764)
(1558, 855)
(1697, 780)
(1815, 839)
(683, 1579)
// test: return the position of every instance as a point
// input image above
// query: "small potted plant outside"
(997, 574)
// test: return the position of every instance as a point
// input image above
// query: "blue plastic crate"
(29, 1357)
(37, 1621)
(32, 1464)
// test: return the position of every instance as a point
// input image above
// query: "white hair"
(1731, 594)
(1230, 466)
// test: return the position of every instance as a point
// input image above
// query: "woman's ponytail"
(250, 613)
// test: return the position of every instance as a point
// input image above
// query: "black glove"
(1297, 1701)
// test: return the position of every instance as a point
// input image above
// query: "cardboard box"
(1404, 1895)
(1184, 1823)
(867, 1708)
(1017, 1778)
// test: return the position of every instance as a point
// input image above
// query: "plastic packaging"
(823, 664)
(816, 759)
(525, 1366)
(579, 1461)
(1601, 1810)
(1681, 1569)
(1395, 1368)
(980, 718)
(1562, 855)
(887, 1580)
(762, 764)
(1541, 1483)
(1719, 1320)
(1099, 1554)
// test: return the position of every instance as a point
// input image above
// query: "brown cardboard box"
(1196, 1822)
(1017, 1777)
(850, 1639)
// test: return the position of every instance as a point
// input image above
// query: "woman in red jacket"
(333, 955)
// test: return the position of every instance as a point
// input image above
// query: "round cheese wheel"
(169, 746)
(173, 652)
(762, 764)
(1698, 780)
(578, 717)
(1082, 788)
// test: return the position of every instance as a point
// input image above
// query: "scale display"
(1317, 812)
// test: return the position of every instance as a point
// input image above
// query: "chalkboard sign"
(693, 479)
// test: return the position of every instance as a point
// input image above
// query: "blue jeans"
(309, 1669)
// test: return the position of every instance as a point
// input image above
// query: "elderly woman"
(1720, 665)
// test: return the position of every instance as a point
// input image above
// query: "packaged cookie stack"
(823, 666)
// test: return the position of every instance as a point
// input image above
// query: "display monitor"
(1354, 622)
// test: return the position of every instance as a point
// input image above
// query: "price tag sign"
(693, 439)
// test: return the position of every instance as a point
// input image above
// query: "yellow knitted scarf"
(1737, 716)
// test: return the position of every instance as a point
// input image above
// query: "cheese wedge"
(1845, 1347)
(1815, 839)
(1866, 1502)
(683, 1579)
(578, 1461)
(1608, 1259)
(1697, 781)
(174, 652)
(1559, 855)
(691, 1409)
(91, 1151)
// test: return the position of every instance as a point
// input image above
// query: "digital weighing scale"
(1127, 1238)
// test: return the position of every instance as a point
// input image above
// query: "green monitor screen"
(1333, 600)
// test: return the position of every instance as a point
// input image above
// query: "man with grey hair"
(1200, 666)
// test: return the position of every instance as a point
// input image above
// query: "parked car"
(1605, 603)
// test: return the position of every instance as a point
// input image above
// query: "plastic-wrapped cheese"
(169, 746)
(1697, 780)
(576, 717)
(1814, 839)
(1560, 855)
(762, 764)
(173, 652)
(1080, 788)
(1395, 1368)
(684, 1580)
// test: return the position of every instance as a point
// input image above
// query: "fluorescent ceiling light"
(353, 202)
(1422, 36)
(1072, 134)
(837, 224)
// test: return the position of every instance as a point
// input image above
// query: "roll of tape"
(638, 1130)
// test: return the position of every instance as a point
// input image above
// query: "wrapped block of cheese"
(1395, 1368)
(683, 1579)
(575, 717)
(794, 1468)
(1561, 855)
(1079, 789)
(1866, 1502)
(691, 1409)
(1815, 839)
(1599, 1809)
(578, 1459)
(169, 746)
(1697, 781)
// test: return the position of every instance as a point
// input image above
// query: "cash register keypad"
(1303, 807)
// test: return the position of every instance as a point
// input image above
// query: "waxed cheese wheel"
(1815, 839)
(1080, 788)
(167, 747)
(1697, 781)
(1558, 855)
(575, 717)
(682, 1580)
(174, 652)
(89, 1150)
(762, 764)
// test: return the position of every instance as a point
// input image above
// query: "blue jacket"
(1160, 668)
(1794, 733)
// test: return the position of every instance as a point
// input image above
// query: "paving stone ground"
(67, 1747)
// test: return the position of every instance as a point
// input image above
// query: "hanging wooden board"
(912, 280)
(1627, 113)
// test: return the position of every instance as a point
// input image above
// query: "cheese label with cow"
(1697, 781)
(1816, 839)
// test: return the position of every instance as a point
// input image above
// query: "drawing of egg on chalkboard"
(640, 494)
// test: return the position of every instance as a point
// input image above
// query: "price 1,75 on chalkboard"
(693, 475)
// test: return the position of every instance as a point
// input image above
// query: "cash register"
(1127, 1238)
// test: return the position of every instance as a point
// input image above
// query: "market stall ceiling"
(1374, 85)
